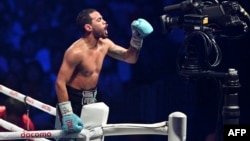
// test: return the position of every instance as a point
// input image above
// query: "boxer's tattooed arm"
(128, 55)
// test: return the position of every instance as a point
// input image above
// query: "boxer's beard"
(100, 34)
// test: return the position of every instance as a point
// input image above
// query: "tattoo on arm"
(123, 54)
(133, 50)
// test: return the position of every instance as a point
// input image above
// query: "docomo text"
(36, 134)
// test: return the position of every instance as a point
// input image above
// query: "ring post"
(177, 126)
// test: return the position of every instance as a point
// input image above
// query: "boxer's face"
(99, 25)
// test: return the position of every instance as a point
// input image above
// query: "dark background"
(35, 33)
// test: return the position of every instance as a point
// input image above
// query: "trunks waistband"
(80, 92)
(86, 96)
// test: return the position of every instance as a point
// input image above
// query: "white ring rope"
(106, 130)
(26, 99)
(175, 128)
(14, 128)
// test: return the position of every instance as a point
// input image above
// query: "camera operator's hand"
(140, 29)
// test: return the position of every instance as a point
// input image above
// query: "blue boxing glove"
(71, 123)
(140, 29)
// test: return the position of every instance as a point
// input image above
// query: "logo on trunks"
(88, 97)
(36, 134)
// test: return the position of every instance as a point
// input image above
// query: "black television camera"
(202, 22)
(199, 15)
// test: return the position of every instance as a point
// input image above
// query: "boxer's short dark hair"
(84, 18)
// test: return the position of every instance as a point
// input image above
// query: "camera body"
(198, 15)
(201, 21)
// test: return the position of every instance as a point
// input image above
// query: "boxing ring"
(95, 127)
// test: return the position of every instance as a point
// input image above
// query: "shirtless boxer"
(80, 69)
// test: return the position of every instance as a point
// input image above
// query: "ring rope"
(105, 130)
(176, 130)
(14, 128)
(29, 100)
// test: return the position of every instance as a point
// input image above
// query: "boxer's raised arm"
(140, 29)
